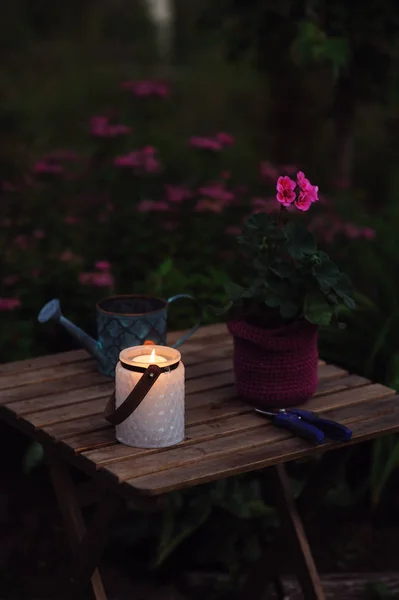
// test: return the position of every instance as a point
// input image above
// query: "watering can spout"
(52, 311)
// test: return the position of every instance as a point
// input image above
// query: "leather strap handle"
(134, 399)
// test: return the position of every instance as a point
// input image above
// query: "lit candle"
(149, 359)
(159, 420)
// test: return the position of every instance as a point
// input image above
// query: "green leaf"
(166, 267)
(326, 273)
(260, 221)
(288, 310)
(349, 302)
(272, 301)
(343, 286)
(317, 309)
(283, 270)
(234, 291)
(300, 242)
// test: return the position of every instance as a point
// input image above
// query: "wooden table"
(59, 399)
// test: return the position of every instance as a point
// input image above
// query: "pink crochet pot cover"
(275, 367)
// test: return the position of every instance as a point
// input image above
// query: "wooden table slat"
(256, 458)
(114, 451)
(42, 362)
(91, 401)
(221, 443)
(47, 374)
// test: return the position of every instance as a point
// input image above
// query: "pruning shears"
(307, 425)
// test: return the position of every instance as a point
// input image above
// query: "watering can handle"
(199, 317)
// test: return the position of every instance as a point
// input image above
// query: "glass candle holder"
(158, 421)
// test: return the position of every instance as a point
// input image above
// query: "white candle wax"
(159, 420)
(149, 359)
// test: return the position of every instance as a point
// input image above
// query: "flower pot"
(275, 367)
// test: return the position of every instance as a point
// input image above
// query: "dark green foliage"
(285, 272)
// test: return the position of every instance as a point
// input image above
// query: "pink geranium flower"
(305, 185)
(285, 190)
(304, 201)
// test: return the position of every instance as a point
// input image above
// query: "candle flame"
(152, 356)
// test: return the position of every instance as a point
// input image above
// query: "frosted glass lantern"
(158, 421)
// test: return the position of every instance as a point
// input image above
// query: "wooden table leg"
(296, 538)
(292, 552)
(86, 546)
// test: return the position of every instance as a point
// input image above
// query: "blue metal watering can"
(122, 321)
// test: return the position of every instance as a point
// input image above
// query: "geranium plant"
(286, 276)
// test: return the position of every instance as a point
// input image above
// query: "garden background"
(136, 139)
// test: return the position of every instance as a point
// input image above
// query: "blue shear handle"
(199, 317)
(299, 427)
(333, 430)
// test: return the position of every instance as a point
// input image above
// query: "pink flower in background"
(103, 279)
(100, 127)
(98, 279)
(369, 233)
(9, 303)
(39, 234)
(144, 160)
(103, 265)
(176, 194)
(268, 171)
(45, 167)
(225, 174)
(36, 272)
(128, 160)
(147, 88)
(205, 143)
(216, 191)
(208, 206)
(153, 206)
(285, 190)
(226, 139)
